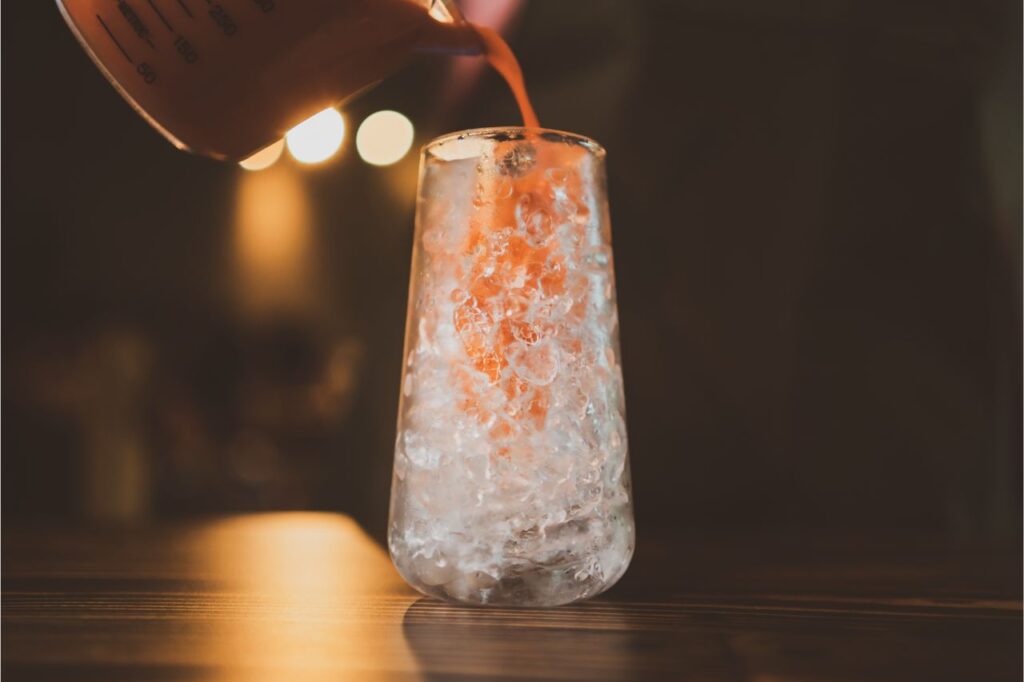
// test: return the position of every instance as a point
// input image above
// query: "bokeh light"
(273, 241)
(264, 158)
(384, 138)
(317, 138)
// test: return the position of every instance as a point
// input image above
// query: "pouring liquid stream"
(504, 61)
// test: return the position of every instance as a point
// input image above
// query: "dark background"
(816, 210)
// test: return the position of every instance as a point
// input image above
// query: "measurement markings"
(153, 6)
(220, 16)
(116, 42)
(135, 21)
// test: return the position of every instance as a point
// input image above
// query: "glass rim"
(517, 133)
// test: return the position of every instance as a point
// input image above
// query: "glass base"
(523, 584)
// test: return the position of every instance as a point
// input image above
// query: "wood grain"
(312, 597)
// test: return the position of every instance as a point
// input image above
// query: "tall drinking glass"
(511, 478)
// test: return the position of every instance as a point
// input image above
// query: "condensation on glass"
(511, 476)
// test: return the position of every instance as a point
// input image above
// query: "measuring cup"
(226, 78)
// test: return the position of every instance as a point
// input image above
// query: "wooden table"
(302, 596)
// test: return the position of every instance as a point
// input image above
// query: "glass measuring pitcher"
(511, 476)
(225, 78)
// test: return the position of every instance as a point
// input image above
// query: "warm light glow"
(384, 138)
(306, 598)
(317, 138)
(264, 158)
(273, 240)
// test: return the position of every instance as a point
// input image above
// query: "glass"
(511, 478)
